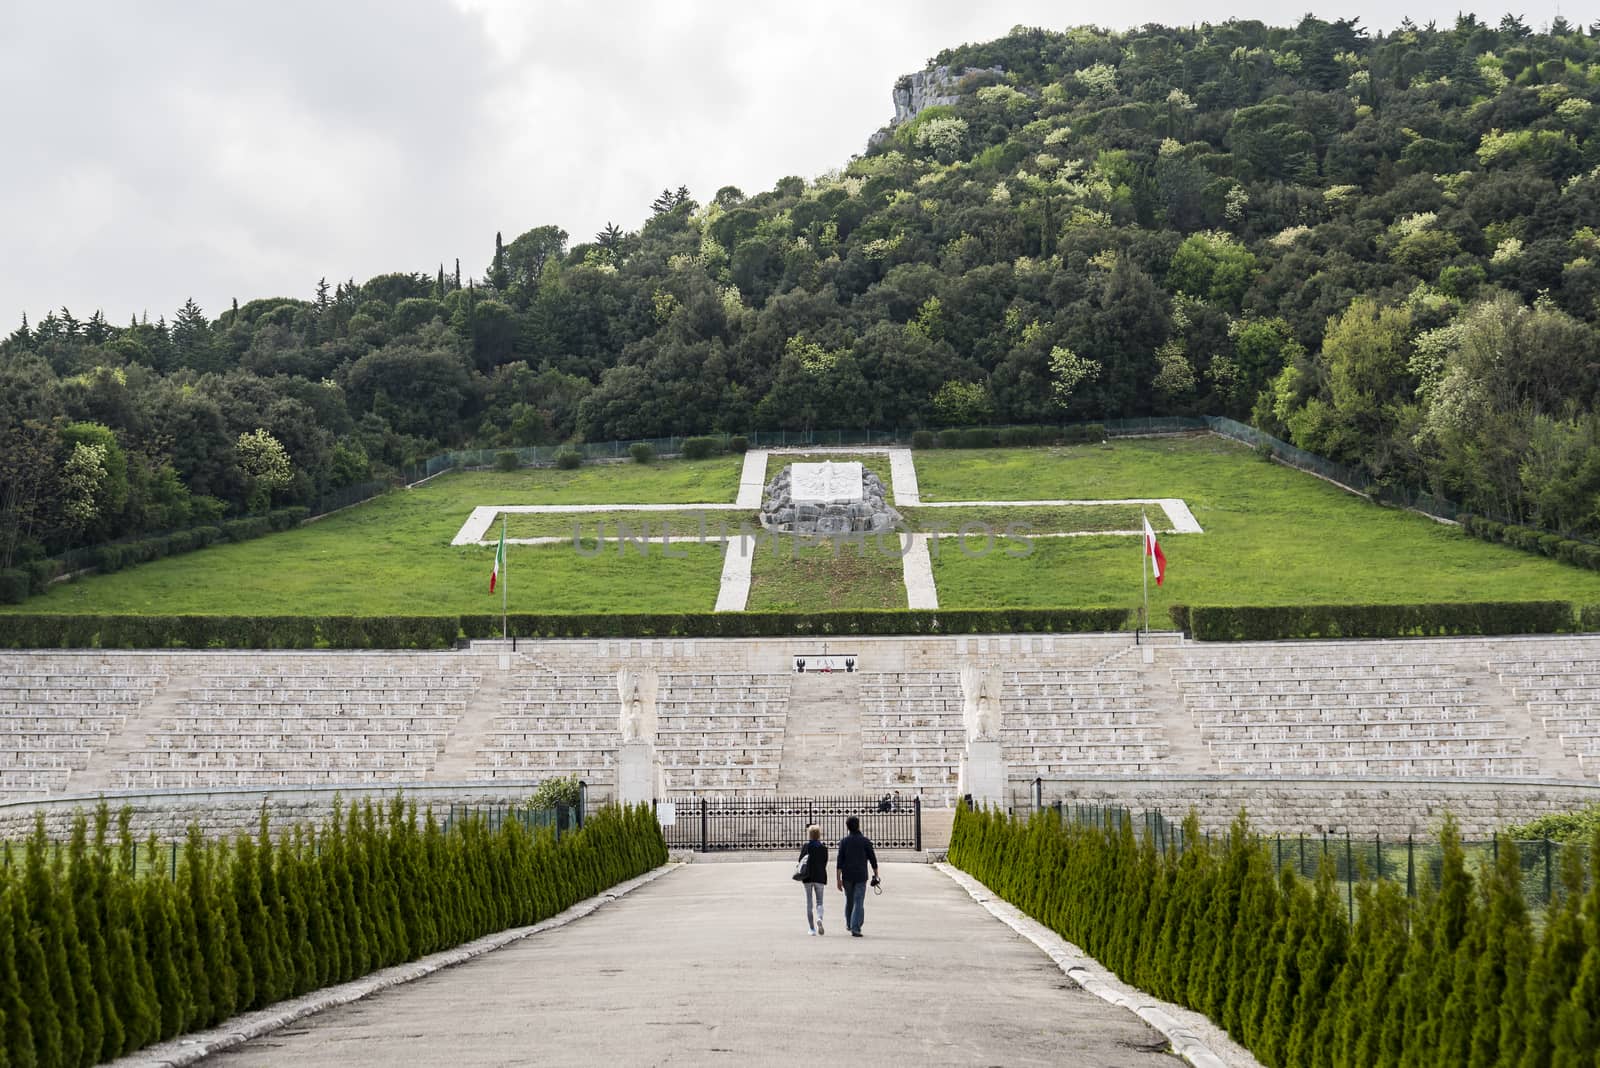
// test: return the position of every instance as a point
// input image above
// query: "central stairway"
(822, 751)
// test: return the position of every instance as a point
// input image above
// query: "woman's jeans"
(813, 890)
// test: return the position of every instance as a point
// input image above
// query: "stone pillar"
(638, 773)
(983, 765)
(984, 774)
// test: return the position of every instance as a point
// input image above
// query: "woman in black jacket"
(815, 854)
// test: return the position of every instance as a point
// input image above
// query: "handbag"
(802, 867)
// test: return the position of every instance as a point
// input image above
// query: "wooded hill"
(1380, 246)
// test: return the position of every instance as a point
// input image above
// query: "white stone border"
(475, 531)
(917, 569)
(1178, 515)
(187, 1049)
(1194, 1037)
(734, 592)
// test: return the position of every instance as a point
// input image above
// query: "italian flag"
(1152, 549)
(500, 560)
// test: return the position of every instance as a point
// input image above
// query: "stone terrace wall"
(1361, 807)
(168, 813)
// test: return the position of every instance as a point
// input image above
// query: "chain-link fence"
(1414, 864)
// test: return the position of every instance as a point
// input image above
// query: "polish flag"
(500, 560)
(1152, 549)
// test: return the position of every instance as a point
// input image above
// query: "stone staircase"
(822, 752)
(459, 761)
(101, 773)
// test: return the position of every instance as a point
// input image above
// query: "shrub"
(1283, 622)
(15, 585)
(109, 558)
(569, 459)
(559, 791)
(1019, 436)
(923, 439)
(738, 444)
(950, 439)
(507, 461)
(1083, 433)
(237, 530)
(43, 572)
(1549, 544)
(701, 448)
(642, 452)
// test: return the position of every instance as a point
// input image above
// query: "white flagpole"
(505, 569)
(1144, 572)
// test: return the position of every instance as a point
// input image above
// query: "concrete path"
(712, 964)
(737, 560)
(916, 569)
(752, 479)
(903, 476)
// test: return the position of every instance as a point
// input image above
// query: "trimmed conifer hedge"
(783, 624)
(29, 631)
(1226, 623)
(97, 961)
(1460, 975)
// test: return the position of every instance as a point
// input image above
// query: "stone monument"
(638, 768)
(983, 771)
(827, 499)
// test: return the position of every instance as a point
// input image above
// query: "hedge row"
(1529, 539)
(783, 624)
(20, 631)
(17, 584)
(1457, 976)
(1007, 437)
(96, 962)
(1230, 623)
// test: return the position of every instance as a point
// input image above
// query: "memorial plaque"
(826, 481)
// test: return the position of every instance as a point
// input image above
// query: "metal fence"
(709, 824)
(1413, 864)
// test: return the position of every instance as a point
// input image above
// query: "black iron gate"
(714, 823)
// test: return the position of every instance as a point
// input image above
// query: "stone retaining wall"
(1361, 807)
(168, 813)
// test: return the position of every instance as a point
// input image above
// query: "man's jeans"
(855, 905)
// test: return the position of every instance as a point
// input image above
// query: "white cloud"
(158, 151)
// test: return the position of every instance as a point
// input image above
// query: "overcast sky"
(156, 151)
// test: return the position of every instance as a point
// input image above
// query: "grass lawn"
(393, 555)
(1031, 519)
(789, 575)
(677, 523)
(1272, 536)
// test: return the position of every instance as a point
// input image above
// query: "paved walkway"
(713, 964)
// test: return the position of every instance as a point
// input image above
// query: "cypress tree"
(1277, 1013)
(1554, 969)
(1501, 969)
(112, 1037)
(1577, 1032)
(1459, 946)
(61, 1034)
(1320, 960)
(163, 953)
(93, 983)
(14, 964)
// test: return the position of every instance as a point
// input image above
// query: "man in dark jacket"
(855, 854)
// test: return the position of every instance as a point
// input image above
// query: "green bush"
(951, 439)
(43, 572)
(562, 790)
(15, 585)
(246, 529)
(923, 439)
(109, 947)
(642, 452)
(507, 461)
(569, 459)
(781, 624)
(1020, 437)
(739, 444)
(1284, 622)
(1577, 826)
(25, 631)
(1549, 544)
(701, 448)
(977, 438)
(1302, 971)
